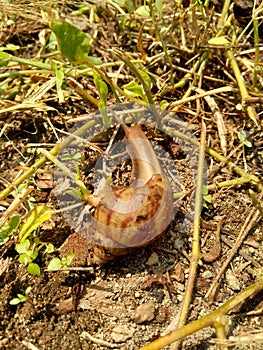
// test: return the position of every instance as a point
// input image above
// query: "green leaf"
(55, 264)
(11, 47)
(103, 93)
(52, 42)
(219, 41)
(74, 192)
(135, 90)
(34, 219)
(23, 247)
(21, 297)
(3, 238)
(28, 290)
(37, 241)
(96, 61)
(50, 248)
(14, 222)
(4, 59)
(73, 43)
(241, 136)
(33, 269)
(102, 89)
(204, 190)
(143, 11)
(159, 7)
(208, 198)
(14, 301)
(33, 254)
(8, 228)
(164, 104)
(68, 156)
(69, 258)
(146, 78)
(248, 143)
(59, 81)
(21, 187)
(24, 258)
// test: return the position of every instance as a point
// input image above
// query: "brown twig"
(196, 238)
(100, 341)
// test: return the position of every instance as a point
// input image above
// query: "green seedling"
(245, 143)
(21, 298)
(103, 93)
(207, 197)
(242, 137)
(56, 263)
(59, 81)
(28, 251)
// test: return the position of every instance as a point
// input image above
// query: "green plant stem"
(229, 183)
(241, 84)
(206, 3)
(223, 14)
(253, 178)
(220, 329)
(23, 72)
(32, 63)
(68, 72)
(205, 321)
(41, 161)
(257, 204)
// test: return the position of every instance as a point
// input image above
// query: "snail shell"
(132, 216)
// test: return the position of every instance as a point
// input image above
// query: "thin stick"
(205, 321)
(196, 236)
(200, 95)
(241, 84)
(100, 341)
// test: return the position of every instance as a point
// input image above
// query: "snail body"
(132, 216)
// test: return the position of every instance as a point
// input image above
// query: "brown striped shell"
(128, 217)
(118, 230)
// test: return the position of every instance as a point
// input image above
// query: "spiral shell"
(118, 231)
(128, 217)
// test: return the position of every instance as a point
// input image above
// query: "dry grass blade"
(222, 132)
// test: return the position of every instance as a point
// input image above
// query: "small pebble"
(207, 274)
(153, 259)
(144, 312)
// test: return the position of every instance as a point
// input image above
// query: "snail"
(132, 216)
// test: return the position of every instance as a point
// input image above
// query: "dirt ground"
(135, 298)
